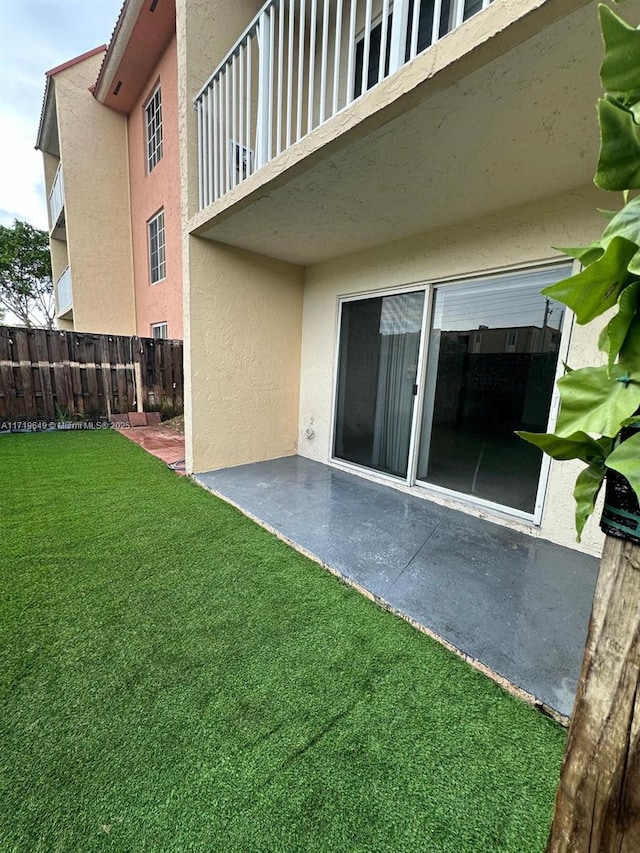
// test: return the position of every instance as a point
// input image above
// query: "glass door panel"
(491, 366)
(377, 367)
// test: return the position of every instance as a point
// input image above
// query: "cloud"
(21, 172)
(37, 35)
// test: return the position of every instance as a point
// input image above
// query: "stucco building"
(361, 198)
(364, 185)
(109, 138)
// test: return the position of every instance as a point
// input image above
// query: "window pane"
(157, 265)
(491, 367)
(379, 343)
(153, 116)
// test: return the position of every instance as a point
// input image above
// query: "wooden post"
(139, 387)
(598, 800)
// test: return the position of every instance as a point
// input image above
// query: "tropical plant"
(602, 400)
(597, 806)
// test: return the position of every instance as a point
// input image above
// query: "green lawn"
(174, 678)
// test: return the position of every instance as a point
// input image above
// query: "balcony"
(56, 205)
(298, 64)
(64, 295)
(493, 115)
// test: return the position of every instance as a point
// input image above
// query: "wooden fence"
(52, 375)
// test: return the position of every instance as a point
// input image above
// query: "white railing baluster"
(301, 36)
(323, 61)
(382, 69)
(262, 119)
(215, 142)
(234, 124)
(220, 152)
(210, 147)
(272, 34)
(312, 64)
(415, 25)
(399, 34)
(351, 76)
(437, 14)
(367, 48)
(200, 153)
(337, 45)
(250, 165)
(205, 152)
(280, 77)
(227, 131)
(242, 150)
(290, 70)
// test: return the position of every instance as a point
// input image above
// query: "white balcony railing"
(64, 293)
(299, 63)
(56, 198)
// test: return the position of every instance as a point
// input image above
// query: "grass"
(174, 678)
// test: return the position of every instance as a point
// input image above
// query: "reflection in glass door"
(377, 368)
(493, 352)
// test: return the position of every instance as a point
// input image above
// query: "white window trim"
(156, 326)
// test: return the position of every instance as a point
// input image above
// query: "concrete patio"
(518, 606)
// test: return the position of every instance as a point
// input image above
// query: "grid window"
(159, 331)
(153, 116)
(157, 261)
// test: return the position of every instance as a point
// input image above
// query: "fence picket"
(46, 373)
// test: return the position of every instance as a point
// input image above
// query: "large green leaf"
(619, 160)
(626, 223)
(614, 333)
(620, 70)
(625, 459)
(634, 264)
(592, 400)
(587, 255)
(597, 288)
(586, 490)
(576, 446)
(629, 356)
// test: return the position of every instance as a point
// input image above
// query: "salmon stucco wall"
(151, 192)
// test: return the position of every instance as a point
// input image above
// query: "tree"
(598, 800)
(26, 286)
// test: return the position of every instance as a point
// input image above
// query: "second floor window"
(157, 260)
(153, 121)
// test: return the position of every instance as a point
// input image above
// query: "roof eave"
(117, 47)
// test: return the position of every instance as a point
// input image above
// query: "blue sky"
(36, 35)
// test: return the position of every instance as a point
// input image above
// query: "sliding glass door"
(378, 362)
(443, 415)
(493, 352)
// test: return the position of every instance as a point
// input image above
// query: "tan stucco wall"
(93, 150)
(244, 356)
(514, 238)
(206, 30)
(152, 191)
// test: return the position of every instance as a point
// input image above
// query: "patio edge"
(500, 680)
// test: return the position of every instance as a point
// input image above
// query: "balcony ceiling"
(519, 128)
